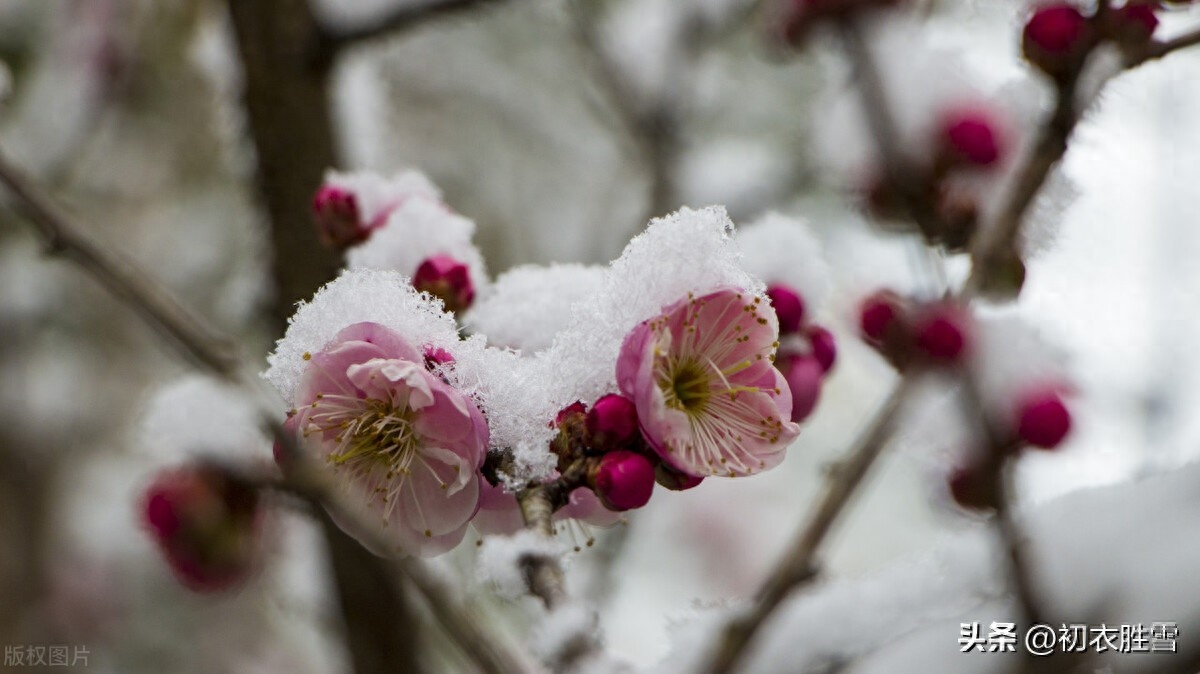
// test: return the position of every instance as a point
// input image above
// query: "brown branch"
(175, 324)
(902, 174)
(543, 574)
(402, 18)
(799, 563)
(1160, 49)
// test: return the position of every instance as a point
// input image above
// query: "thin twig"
(402, 18)
(1158, 50)
(178, 326)
(799, 563)
(543, 574)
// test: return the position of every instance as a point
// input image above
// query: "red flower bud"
(337, 217)
(970, 136)
(446, 278)
(804, 376)
(612, 422)
(1055, 37)
(1043, 419)
(824, 347)
(941, 333)
(623, 480)
(789, 307)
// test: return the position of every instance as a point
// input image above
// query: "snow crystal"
(780, 249)
(527, 306)
(418, 229)
(198, 416)
(499, 562)
(384, 297)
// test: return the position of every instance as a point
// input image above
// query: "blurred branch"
(377, 627)
(1158, 50)
(401, 18)
(286, 99)
(543, 575)
(798, 565)
(62, 238)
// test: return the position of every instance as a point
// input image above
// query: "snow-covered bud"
(336, 213)
(972, 137)
(1043, 419)
(804, 376)
(1133, 23)
(1055, 38)
(824, 347)
(673, 479)
(448, 279)
(789, 307)
(941, 333)
(612, 422)
(575, 410)
(623, 480)
(206, 521)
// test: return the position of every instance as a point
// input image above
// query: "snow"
(499, 562)
(529, 305)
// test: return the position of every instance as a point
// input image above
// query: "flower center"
(376, 435)
(686, 386)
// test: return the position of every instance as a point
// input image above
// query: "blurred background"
(561, 127)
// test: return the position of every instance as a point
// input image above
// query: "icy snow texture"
(527, 306)
(780, 249)
(375, 194)
(384, 297)
(418, 229)
(690, 251)
(1090, 552)
(198, 416)
(499, 561)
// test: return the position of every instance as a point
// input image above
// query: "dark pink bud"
(673, 479)
(1043, 419)
(336, 213)
(612, 422)
(941, 333)
(206, 524)
(824, 347)
(444, 277)
(804, 376)
(437, 356)
(878, 315)
(623, 480)
(789, 307)
(1054, 37)
(970, 136)
(1135, 22)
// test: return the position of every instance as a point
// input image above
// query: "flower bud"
(673, 479)
(789, 307)
(612, 422)
(1134, 23)
(1043, 419)
(623, 480)
(804, 376)
(1055, 38)
(206, 522)
(337, 217)
(448, 279)
(971, 137)
(941, 333)
(824, 347)
(879, 316)
(575, 410)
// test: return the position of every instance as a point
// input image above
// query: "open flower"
(709, 399)
(408, 442)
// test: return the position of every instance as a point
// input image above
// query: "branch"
(398, 20)
(543, 575)
(175, 324)
(1158, 50)
(901, 174)
(799, 564)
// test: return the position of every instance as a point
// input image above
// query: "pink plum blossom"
(403, 438)
(709, 399)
